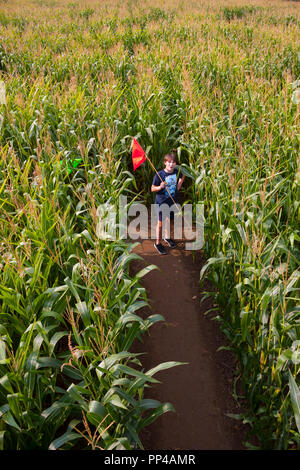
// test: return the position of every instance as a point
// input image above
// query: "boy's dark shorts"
(162, 215)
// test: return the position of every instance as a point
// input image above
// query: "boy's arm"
(180, 181)
(154, 188)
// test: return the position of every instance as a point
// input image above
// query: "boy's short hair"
(170, 156)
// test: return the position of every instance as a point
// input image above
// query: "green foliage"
(79, 86)
(230, 13)
(87, 13)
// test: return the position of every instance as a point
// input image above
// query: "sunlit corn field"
(218, 82)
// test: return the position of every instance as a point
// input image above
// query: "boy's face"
(170, 165)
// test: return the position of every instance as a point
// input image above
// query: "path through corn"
(201, 391)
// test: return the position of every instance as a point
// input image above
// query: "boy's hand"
(180, 181)
(163, 184)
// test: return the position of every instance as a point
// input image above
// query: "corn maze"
(218, 82)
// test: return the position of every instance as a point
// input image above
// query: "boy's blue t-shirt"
(171, 179)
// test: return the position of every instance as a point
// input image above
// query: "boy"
(166, 185)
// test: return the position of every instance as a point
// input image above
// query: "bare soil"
(201, 391)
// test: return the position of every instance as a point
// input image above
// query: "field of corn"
(218, 82)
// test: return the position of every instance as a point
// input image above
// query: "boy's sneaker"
(170, 242)
(161, 250)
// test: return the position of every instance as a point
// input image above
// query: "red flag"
(138, 155)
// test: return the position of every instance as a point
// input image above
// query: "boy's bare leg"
(167, 228)
(158, 232)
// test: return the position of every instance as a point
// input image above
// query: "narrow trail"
(201, 390)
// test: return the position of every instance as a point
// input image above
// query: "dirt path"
(200, 391)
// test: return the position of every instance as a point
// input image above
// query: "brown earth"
(200, 391)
